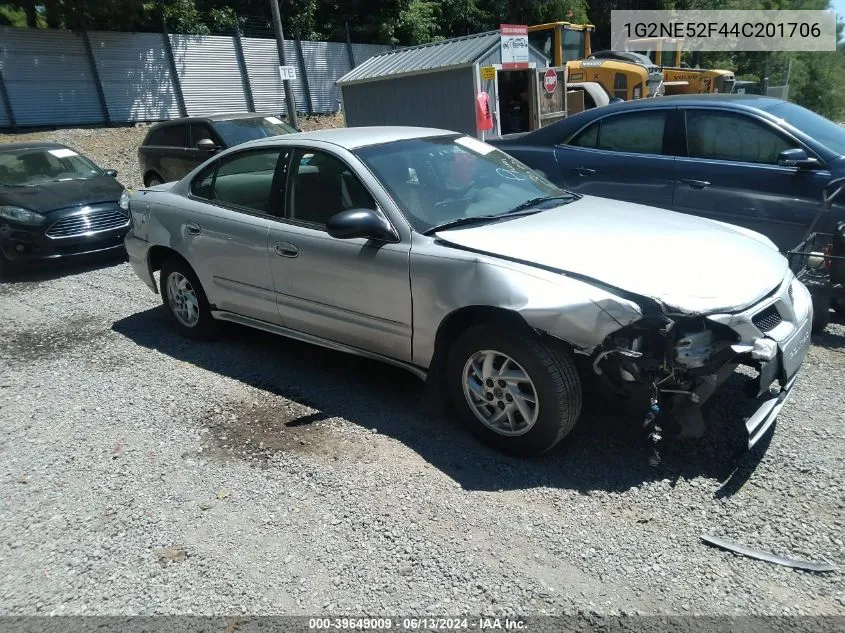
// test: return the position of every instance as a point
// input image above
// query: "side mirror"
(366, 223)
(797, 157)
(110, 172)
(206, 145)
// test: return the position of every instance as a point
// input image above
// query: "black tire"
(552, 372)
(205, 327)
(821, 313)
(839, 306)
(153, 179)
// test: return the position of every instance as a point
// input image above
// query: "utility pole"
(280, 44)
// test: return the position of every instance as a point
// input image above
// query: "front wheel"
(514, 391)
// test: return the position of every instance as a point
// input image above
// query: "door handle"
(584, 171)
(696, 184)
(286, 249)
(193, 228)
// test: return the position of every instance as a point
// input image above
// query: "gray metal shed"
(431, 85)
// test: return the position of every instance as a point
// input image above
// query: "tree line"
(813, 77)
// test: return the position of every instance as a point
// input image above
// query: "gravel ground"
(141, 473)
(117, 147)
(146, 474)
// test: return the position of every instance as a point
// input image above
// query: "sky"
(839, 7)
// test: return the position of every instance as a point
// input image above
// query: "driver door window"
(723, 136)
(322, 186)
(201, 132)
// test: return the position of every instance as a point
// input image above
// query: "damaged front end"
(676, 362)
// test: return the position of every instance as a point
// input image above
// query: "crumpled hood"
(51, 196)
(690, 264)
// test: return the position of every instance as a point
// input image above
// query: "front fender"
(569, 309)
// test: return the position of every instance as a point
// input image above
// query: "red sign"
(550, 81)
(514, 46)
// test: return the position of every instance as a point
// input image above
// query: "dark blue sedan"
(749, 160)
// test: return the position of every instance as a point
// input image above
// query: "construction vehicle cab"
(570, 44)
(678, 77)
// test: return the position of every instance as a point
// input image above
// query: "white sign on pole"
(514, 45)
(287, 72)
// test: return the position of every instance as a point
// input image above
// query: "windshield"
(237, 131)
(573, 45)
(814, 125)
(35, 166)
(442, 179)
(667, 57)
(543, 41)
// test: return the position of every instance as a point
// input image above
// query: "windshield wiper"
(524, 208)
(478, 219)
(533, 202)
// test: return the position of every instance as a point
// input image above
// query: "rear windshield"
(35, 166)
(237, 131)
(814, 125)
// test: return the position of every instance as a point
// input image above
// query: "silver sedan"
(438, 253)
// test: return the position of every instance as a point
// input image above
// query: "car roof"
(736, 102)
(9, 147)
(220, 116)
(729, 101)
(356, 137)
(761, 102)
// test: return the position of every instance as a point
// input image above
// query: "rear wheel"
(185, 300)
(154, 179)
(513, 390)
(839, 306)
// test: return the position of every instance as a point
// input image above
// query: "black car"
(173, 148)
(55, 202)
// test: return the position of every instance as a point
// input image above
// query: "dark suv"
(173, 148)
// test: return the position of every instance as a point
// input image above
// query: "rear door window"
(251, 180)
(587, 138)
(635, 133)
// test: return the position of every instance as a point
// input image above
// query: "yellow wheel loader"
(624, 75)
(679, 78)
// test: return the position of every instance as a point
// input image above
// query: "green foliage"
(814, 77)
(418, 22)
(182, 16)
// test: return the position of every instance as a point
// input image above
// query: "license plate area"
(792, 352)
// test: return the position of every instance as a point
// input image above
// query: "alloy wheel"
(183, 299)
(500, 393)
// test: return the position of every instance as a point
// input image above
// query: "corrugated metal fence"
(50, 77)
